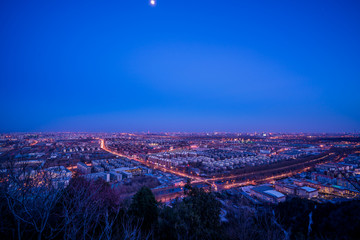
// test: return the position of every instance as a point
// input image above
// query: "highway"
(263, 172)
(34, 143)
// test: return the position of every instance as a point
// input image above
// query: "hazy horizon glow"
(236, 66)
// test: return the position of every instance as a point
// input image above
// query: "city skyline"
(200, 66)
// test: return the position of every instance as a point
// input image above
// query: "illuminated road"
(181, 174)
(269, 170)
(211, 181)
(34, 143)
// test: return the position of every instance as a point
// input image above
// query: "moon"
(152, 2)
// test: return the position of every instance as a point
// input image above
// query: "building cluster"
(54, 177)
(333, 181)
(142, 144)
(167, 179)
(111, 169)
(109, 164)
(278, 192)
(296, 188)
(267, 193)
(211, 161)
(59, 175)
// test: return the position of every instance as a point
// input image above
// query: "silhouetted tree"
(89, 210)
(197, 216)
(144, 208)
(31, 197)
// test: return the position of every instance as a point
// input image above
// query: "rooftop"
(308, 189)
(274, 193)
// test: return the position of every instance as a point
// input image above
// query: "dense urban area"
(179, 186)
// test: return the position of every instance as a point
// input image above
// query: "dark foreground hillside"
(92, 210)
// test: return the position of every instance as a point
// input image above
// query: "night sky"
(199, 65)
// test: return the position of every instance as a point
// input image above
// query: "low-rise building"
(60, 176)
(307, 192)
(286, 188)
(116, 175)
(83, 168)
(94, 176)
(268, 194)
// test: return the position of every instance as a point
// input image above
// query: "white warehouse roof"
(308, 189)
(274, 193)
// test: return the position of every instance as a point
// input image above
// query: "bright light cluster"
(152, 2)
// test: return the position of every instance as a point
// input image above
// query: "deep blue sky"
(200, 65)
